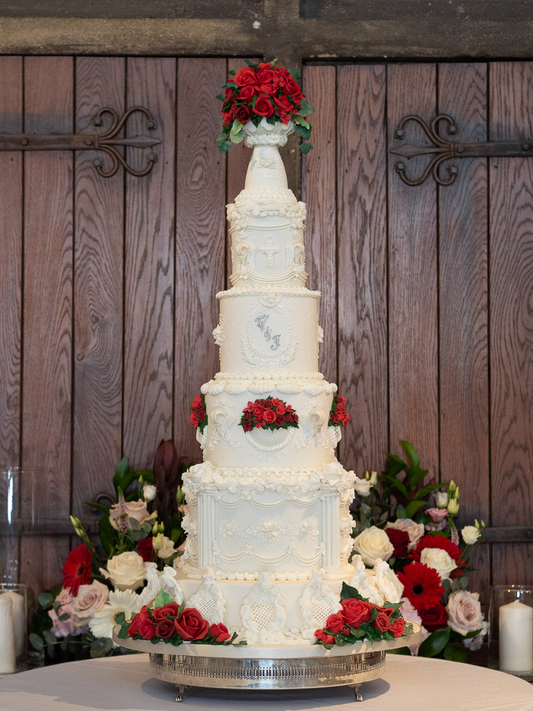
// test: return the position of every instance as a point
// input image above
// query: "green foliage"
(435, 643)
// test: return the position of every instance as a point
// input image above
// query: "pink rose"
(134, 509)
(89, 600)
(63, 628)
(464, 612)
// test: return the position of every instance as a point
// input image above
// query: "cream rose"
(163, 545)
(373, 543)
(89, 600)
(464, 612)
(126, 571)
(133, 509)
(439, 560)
(414, 530)
(470, 534)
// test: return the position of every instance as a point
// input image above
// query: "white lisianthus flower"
(470, 534)
(149, 492)
(464, 612)
(102, 623)
(371, 544)
(441, 499)
(440, 560)
(164, 546)
(126, 571)
(362, 486)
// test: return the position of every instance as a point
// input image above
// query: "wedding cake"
(268, 522)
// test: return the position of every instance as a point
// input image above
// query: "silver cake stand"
(267, 666)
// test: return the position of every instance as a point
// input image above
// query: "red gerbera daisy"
(77, 569)
(421, 585)
(451, 548)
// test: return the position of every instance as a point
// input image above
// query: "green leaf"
(63, 617)
(411, 453)
(301, 121)
(251, 64)
(146, 474)
(122, 469)
(401, 512)
(36, 641)
(237, 138)
(45, 599)
(416, 477)
(305, 109)
(233, 72)
(306, 147)
(220, 97)
(100, 647)
(401, 650)
(163, 598)
(98, 507)
(49, 637)
(236, 128)
(224, 146)
(427, 490)
(295, 74)
(302, 131)
(348, 592)
(455, 654)
(413, 507)
(435, 643)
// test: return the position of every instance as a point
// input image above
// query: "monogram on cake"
(268, 523)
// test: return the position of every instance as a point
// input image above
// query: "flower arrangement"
(338, 415)
(198, 413)
(360, 619)
(269, 413)
(139, 534)
(410, 523)
(263, 91)
(173, 624)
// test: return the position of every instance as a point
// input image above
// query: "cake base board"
(270, 667)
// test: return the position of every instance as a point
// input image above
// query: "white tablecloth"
(127, 684)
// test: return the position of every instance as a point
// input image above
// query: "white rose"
(149, 492)
(373, 543)
(464, 612)
(387, 582)
(439, 560)
(414, 530)
(126, 571)
(88, 601)
(470, 534)
(362, 486)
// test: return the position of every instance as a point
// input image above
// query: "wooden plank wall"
(108, 285)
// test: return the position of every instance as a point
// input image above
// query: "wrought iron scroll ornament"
(443, 150)
(108, 141)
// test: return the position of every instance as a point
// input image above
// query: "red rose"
(319, 634)
(355, 612)
(229, 94)
(263, 106)
(191, 625)
(247, 92)
(161, 613)
(269, 403)
(281, 409)
(145, 549)
(245, 76)
(265, 76)
(382, 621)
(269, 416)
(219, 632)
(434, 618)
(341, 401)
(345, 418)
(243, 114)
(138, 621)
(165, 629)
(335, 623)
(283, 103)
(397, 628)
(247, 427)
(147, 630)
(197, 403)
(291, 86)
(328, 639)
(336, 417)
(268, 89)
(258, 411)
(194, 419)
(400, 541)
(229, 116)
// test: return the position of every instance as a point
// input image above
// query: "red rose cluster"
(198, 413)
(262, 91)
(175, 625)
(338, 415)
(360, 619)
(270, 413)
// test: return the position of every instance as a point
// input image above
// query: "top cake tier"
(266, 221)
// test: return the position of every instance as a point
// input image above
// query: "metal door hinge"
(443, 150)
(107, 142)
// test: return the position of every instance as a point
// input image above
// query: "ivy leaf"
(303, 131)
(163, 598)
(348, 592)
(305, 109)
(435, 643)
(224, 146)
(220, 97)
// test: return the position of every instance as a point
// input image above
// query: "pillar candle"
(516, 638)
(19, 620)
(8, 659)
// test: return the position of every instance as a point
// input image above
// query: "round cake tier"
(268, 328)
(226, 443)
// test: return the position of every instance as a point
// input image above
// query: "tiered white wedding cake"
(268, 518)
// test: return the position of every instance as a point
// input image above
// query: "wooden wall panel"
(463, 302)
(319, 192)
(413, 320)
(200, 238)
(149, 265)
(511, 317)
(47, 367)
(98, 291)
(362, 263)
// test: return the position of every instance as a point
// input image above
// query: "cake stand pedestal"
(267, 666)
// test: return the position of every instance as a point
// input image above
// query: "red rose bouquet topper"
(338, 415)
(263, 91)
(270, 413)
(198, 413)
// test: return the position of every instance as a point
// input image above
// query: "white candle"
(19, 620)
(8, 658)
(516, 638)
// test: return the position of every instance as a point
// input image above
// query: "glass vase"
(13, 627)
(511, 630)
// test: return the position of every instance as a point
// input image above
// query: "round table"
(126, 684)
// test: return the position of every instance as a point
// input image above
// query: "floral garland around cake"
(338, 415)
(263, 91)
(358, 619)
(173, 624)
(269, 413)
(198, 415)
